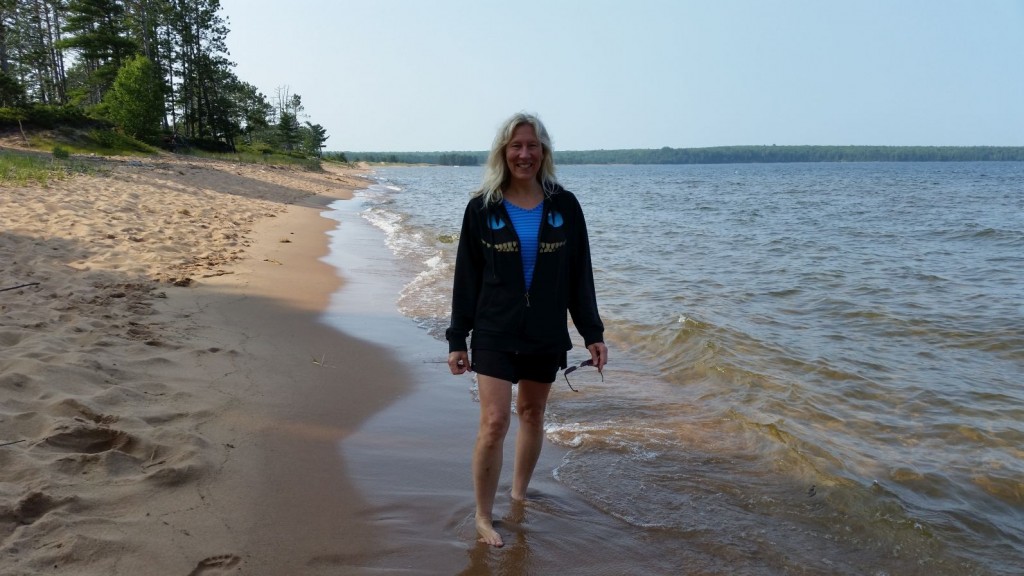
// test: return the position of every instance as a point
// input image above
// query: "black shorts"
(514, 367)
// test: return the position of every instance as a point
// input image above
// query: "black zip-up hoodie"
(490, 298)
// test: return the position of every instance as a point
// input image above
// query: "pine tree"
(288, 131)
(199, 66)
(314, 138)
(97, 30)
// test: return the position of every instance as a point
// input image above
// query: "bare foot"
(488, 535)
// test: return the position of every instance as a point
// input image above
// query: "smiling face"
(524, 154)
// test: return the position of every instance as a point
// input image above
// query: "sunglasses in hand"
(571, 369)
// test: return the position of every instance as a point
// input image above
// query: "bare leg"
(531, 403)
(495, 413)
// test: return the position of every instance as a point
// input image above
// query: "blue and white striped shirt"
(527, 227)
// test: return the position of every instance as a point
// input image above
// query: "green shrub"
(104, 138)
(256, 148)
(61, 153)
(135, 102)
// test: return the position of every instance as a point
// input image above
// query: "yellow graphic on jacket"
(549, 247)
(503, 247)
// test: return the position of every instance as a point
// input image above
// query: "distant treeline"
(723, 155)
(439, 158)
(756, 154)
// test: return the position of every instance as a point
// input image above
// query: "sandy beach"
(162, 408)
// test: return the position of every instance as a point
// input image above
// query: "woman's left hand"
(458, 362)
(598, 355)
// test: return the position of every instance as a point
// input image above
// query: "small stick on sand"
(9, 443)
(19, 286)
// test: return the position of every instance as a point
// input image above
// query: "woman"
(523, 261)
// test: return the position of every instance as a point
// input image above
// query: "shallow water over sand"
(815, 367)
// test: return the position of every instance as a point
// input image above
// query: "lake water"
(815, 368)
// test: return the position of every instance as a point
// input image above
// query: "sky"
(441, 75)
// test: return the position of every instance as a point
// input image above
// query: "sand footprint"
(34, 506)
(215, 565)
(88, 440)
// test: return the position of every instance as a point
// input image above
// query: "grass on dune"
(256, 157)
(20, 168)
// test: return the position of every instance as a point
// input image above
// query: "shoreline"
(299, 409)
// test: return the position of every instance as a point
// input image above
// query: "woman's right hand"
(458, 362)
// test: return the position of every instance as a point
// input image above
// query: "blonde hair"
(496, 172)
